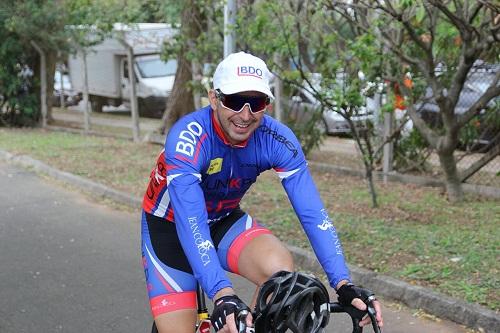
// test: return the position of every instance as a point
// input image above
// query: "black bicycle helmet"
(294, 301)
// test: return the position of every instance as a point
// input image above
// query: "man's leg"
(249, 249)
(262, 257)
(170, 284)
(180, 321)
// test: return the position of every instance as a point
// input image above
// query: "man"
(192, 226)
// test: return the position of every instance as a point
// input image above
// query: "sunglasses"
(236, 102)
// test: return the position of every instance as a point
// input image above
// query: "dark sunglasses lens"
(236, 102)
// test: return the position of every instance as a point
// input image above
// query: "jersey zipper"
(230, 170)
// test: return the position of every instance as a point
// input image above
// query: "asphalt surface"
(72, 265)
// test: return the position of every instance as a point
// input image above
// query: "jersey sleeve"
(304, 196)
(184, 155)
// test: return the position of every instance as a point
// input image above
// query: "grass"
(415, 235)
(114, 162)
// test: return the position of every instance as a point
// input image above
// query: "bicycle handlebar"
(357, 315)
(334, 307)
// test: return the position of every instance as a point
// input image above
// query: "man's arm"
(318, 226)
(194, 234)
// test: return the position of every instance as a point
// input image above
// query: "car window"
(150, 68)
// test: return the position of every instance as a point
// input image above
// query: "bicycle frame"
(203, 325)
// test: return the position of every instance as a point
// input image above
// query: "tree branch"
(459, 22)
(492, 92)
(476, 8)
(303, 47)
(476, 166)
(424, 129)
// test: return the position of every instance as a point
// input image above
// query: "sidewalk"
(471, 315)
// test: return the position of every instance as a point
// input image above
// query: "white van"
(107, 69)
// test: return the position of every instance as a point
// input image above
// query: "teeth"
(242, 125)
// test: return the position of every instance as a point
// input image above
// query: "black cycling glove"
(348, 292)
(223, 307)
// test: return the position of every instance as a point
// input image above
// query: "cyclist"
(193, 229)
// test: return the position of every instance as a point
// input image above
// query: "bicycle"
(204, 325)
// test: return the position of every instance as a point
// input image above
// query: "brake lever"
(357, 315)
(372, 313)
(242, 322)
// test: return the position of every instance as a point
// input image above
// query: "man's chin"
(241, 131)
(239, 137)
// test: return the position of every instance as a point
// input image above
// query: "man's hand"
(349, 294)
(225, 309)
(231, 327)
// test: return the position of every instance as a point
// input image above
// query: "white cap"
(242, 72)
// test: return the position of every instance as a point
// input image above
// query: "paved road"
(71, 265)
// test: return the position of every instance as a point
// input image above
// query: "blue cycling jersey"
(200, 178)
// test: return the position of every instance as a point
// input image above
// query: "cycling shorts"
(170, 281)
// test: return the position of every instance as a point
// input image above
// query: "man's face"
(237, 126)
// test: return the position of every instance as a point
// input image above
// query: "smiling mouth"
(241, 125)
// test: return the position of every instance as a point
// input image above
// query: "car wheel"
(96, 103)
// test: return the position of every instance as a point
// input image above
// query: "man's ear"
(212, 98)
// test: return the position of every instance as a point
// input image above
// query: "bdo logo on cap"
(249, 71)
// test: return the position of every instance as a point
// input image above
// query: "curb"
(82, 183)
(468, 314)
(483, 190)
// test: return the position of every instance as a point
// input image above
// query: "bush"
(18, 100)
(411, 152)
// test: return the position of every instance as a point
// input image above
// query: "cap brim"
(234, 88)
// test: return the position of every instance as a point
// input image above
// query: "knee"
(263, 257)
(278, 261)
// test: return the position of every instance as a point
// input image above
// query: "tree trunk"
(181, 100)
(51, 70)
(43, 82)
(453, 184)
(367, 155)
(371, 185)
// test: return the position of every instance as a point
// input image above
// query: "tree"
(385, 41)
(25, 23)
(320, 58)
(198, 43)
(180, 100)
(18, 101)
(438, 42)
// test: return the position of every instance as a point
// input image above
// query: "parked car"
(486, 125)
(63, 86)
(303, 104)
